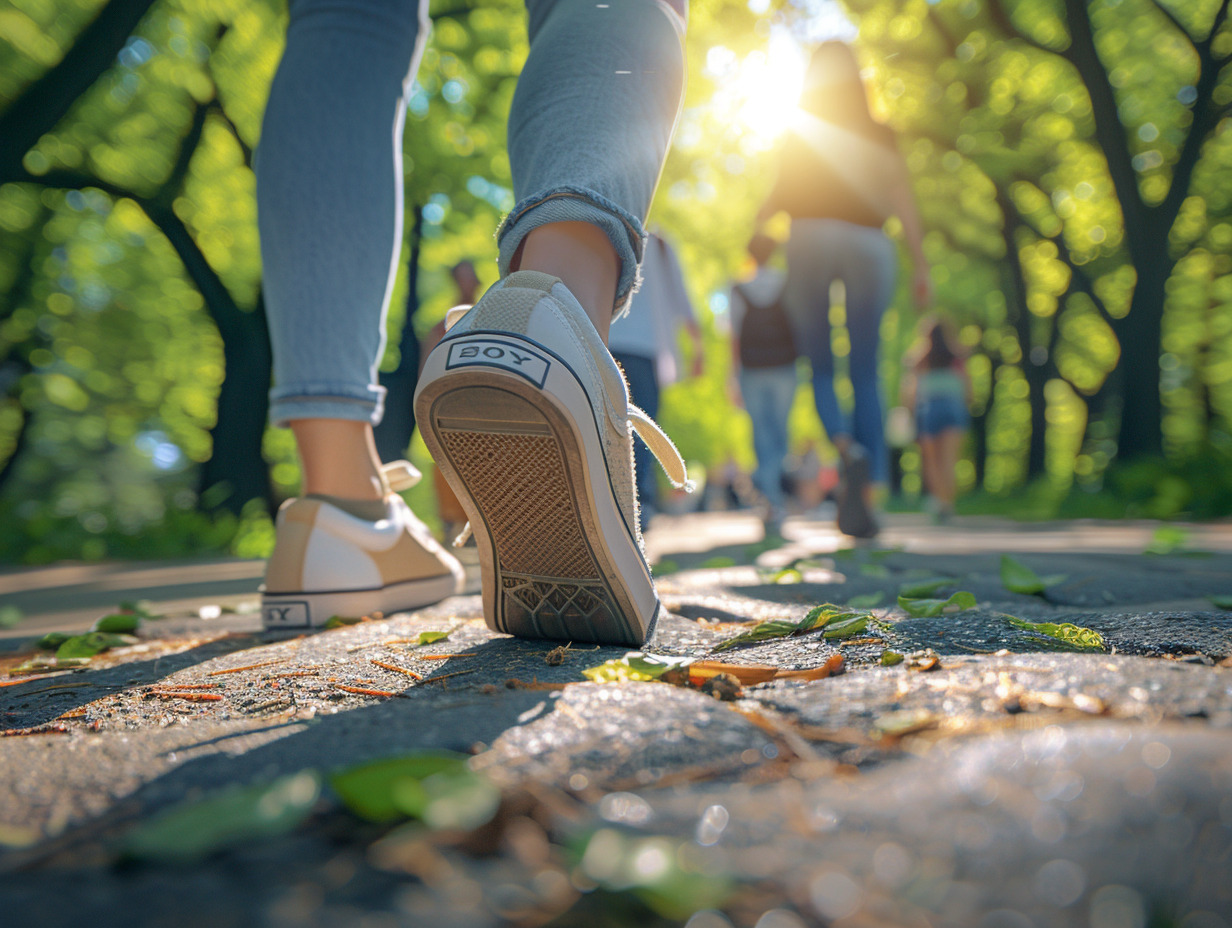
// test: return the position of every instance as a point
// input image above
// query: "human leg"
(768, 394)
(525, 376)
(869, 272)
(329, 213)
(949, 446)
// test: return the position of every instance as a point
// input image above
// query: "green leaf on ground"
(891, 658)
(91, 643)
(927, 608)
(787, 575)
(1223, 602)
(665, 567)
(338, 621)
(52, 640)
(847, 628)
(436, 787)
(817, 617)
(649, 867)
(922, 588)
(865, 600)
(140, 608)
(430, 638)
(633, 667)
(10, 616)
(1061, 636)
(1167, 539)
(192, 831)
(1019, 578)
(720, 562)
(119, 622)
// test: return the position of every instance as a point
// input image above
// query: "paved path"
(996, 782)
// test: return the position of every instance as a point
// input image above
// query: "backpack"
(766, 335)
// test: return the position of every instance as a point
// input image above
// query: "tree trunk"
(393, 433)
(236, 471)
(1140, 333)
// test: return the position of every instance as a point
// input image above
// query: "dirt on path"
(1050, 758)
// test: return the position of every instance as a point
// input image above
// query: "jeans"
(589, 127)
(821, 251)
(768, 394)
(643, 384)
(936, 414)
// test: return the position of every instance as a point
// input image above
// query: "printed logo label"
(493, 353)
(286, 615)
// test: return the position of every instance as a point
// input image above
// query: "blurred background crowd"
(1068, 294)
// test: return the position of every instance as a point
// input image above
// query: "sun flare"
(759, 93)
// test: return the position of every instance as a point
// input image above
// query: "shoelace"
(400, 475)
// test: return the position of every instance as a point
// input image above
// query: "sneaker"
(327, 562)
(528, 417)
(854, 516)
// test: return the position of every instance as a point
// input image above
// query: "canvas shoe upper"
(327, 562)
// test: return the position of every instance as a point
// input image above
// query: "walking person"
(764, 365)
(840, 178)
(938, 389)
(521, 404)
(645, 343)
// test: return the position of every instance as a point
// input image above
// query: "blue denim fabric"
(933, 416)
(821, 251)
(591, 121)
(768, 394)
(644, 392)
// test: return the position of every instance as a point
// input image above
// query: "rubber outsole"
(313, 610)
(557, 559)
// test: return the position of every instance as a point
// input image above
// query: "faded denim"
(591, 120)
(821, 251)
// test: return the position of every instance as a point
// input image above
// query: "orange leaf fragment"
(747, 674)
(394, 667)
(832, 667)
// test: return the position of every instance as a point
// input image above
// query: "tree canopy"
(1068, 156)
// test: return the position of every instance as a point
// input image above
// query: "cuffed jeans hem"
(288, 405)
(577, 204)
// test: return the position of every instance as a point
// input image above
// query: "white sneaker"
(529, 419)
(327, 562)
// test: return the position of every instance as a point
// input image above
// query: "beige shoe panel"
(285, 570)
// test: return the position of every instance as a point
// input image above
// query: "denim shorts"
(934, 416)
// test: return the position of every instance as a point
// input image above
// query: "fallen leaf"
(890, 658)
(927, 608)
(1062, 636)
(817, 617)
(429, 638)
(1019, 578)
(1223, 602)
(634, 666)
(746, 674)
(436, 787)
(10, 616)
(119, 622)
(91, 643)
(847, 628)
(193, 831)
(52, 640)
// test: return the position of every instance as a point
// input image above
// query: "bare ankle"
(339, 459)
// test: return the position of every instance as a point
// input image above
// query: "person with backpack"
(764, 363)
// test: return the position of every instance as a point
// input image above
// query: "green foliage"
(837, 621)
(1047, 205)
(1019, 578)
(929, 608)
(193, 830)
(435, 788)
(1060, 636)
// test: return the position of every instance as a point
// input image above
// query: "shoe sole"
(520, 448)
(314, 610)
